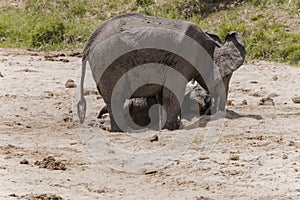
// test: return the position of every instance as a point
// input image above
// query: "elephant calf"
(196, 102)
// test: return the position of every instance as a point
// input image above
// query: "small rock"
(90, 92)
(244, 102)
(154, 138)
(203, 158)
(64, 60)
(203, 198)
(70, 84)
(76, 54)
(50, 94)
(234, 157)
(1, 75)
(24, 162)
(296, 99)
(267, 101)
(273, 95)
(246, 90)
(284, 156)
(49, 58)
(253, 82)
(100, 191)
(27, 70)
(229, 103)
(275, 78)
(291, 143)
(257, 94)
(68, 119)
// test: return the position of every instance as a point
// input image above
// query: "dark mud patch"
(51, 163)
(37, 197)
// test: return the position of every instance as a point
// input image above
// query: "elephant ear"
(235, 36)
(231, 55)
(214, 36)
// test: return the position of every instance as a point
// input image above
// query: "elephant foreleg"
(172, 108)
(226, 81)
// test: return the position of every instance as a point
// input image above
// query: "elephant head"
(231, 55)
(228, 57)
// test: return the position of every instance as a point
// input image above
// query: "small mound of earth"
(38, 197)
(51, 163)
(267, 101)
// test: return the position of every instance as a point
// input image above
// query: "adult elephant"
(196, 99)
(133, 55)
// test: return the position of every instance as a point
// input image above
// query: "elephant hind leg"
(172, 108)
(115, 111)
(114, 124)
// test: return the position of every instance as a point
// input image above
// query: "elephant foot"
(208, 112)
(115, 127)
(172, 126)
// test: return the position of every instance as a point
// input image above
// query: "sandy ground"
(256, 156)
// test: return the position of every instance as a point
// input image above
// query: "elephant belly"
(147, 90)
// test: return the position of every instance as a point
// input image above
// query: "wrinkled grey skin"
(226, 62)
(196, 100)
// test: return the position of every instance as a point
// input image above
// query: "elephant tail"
(81, 105)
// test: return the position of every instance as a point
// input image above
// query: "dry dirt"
(257, 155)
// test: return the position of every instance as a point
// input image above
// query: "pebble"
(244, 102)
(273, 94)
(275, 78)
(258, 94)
(234, 157)
(24, 162)
(291, 143)
(229, 103)
(154, 138)
(64, 60)
(89, 92)
(253, 82)
(70, 84)
(296, 99)
(267, 101)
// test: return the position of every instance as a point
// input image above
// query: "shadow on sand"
(230, 114)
